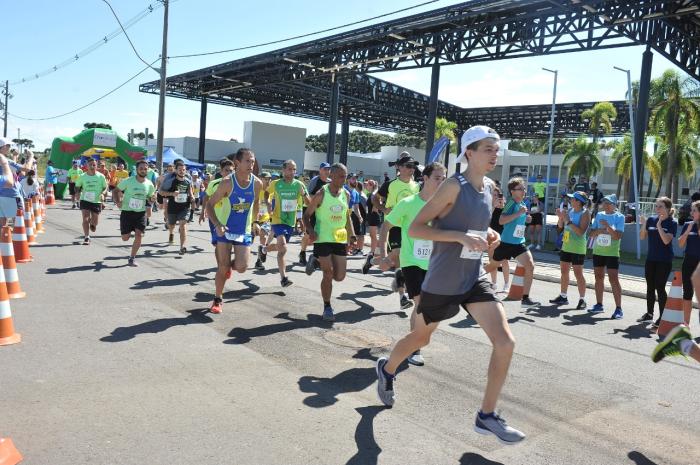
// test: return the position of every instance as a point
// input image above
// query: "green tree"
(687, 157)
(583, 158)
(446, 128)
(409, 140)
(673, 118)
(24, 144)
(97, 125)
(600, 119)
(622, 154)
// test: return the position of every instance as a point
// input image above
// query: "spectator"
(582, 185)
(684, 211)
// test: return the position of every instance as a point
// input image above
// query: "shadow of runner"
(547, 311)
(96, 267)
(251, 291)
(367, 448)
(640, 459)
(638, 331)
(243, 335)
(470, 458)
(582, 319)
(157, 326)
(193, 277)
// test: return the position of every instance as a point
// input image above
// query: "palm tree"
(583, 158)
(600, 118)
(443, 127)
(687, 156)
(672, 118)
(622, 154)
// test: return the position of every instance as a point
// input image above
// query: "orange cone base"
(9, 455)
(17, 295)
(25, 260)
(6, 341)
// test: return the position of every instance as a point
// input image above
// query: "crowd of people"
(433, 231)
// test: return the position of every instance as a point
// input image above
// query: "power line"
(151, 8)
(149, 66)
(247, 47)
(125, 34)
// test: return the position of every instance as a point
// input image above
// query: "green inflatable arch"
(66, 149)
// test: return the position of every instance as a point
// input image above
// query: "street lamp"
(635, 187)
(549, 156)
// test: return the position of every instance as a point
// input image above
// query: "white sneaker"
(537, 247)
(505, 287)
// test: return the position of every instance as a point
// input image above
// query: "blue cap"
(612, 198)
(580, 196)
(324, 165)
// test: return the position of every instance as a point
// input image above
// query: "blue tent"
(170, 155)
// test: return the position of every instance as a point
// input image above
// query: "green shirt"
(572, 242)
(135, 194)
(414, 252)
(287, 198)
(332, 217)
(539, 188)
(395, 190)
(91, 187)
(74, 174)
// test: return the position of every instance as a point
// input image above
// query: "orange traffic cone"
(29, 222)
(9, 455)
(38, 220)
(43, 211)
(9, 265)
(50, 198)
(7, 329)
(516, 284)
(19, 240)
(672, 315)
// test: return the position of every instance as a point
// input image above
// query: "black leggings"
(656, 274)
(689, 265)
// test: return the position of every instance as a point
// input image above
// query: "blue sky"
(41, 33)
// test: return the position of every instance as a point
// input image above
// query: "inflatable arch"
(65, 149)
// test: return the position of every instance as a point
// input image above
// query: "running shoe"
(597, 308)
(529, 303)
(183, 250)
(302, 258)
(311, 265)
(262, 256)
(368, 264)
(646, 317)
(559, 300)
(406, 302)
(385, 384)
(259, 265)
(581, 305)
(86, 241)
(671, 344)
(492, 423)
(505, 287)
(416, 359)
(285, 282)
(171, 239)
(132, 262)
(74, 206)
(617, 314)
(216, 306)
(328, 313)
(538, 247)
(656, 323)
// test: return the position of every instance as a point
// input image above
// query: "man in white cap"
(457, 220)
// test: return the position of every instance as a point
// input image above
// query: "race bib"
(234, 237)
(473, 254)
(181, 197)
(340, 235)
(519, 231)
(603, 240)
(566, 236)
(289, 205)
(89, 196)
(534, 210)
(422, 249)
(136, 204)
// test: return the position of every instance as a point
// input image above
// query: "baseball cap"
(324, 165)
(475, 134)
(75, 162)
(5, 141)
(265, 174)
(579, 195)
(352, 175)
(612, 198)
(405, 160)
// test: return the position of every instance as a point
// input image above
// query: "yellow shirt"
(118, 176)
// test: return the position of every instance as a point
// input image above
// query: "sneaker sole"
(487, 432)
(526, 306)
(414, 363)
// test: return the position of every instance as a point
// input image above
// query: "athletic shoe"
(132, 262)
(646, 317)
(86, 241)
(597, 308)
(529, 246)
(183, 250)
(385, 384)
(74, 206)
(617, 314)
(216, 306)
(494, 424)
(311, 265)
(262, 256)
(259, 265)
(671, 344)
(656, 323)
(285, 282)
(302, 258)
(416, 359)
(538, 247)
(406, 302)
(328, 314)
(529, 303)
(505, 287)
(581, 305)
(368, 264)
(171, 239)
(559, 300)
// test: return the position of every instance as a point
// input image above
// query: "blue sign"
(440, 145)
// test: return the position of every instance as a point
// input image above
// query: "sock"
(484, 416)
(563, 295)
(405, 294)
(264, 249)
(387, 374)
(525, 296)
(685, 346)
(326, 304)
(581, 297)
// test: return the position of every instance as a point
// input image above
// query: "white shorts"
(8, 207)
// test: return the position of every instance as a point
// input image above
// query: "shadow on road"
(470, 458)
(96, 266)
(637, 331)
(582, 319)
(367, 448)
(193, 277)
(249, 292)
(639, 458)
(157, 326)
(470, 322)
(547, 311)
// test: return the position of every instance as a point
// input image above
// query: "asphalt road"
(126, 366)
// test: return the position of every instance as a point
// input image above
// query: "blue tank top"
(240, 219)
(514, 232)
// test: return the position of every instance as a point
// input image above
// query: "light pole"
(161, 101)
(635, 187)
(549, 156)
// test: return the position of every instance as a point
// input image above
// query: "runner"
(132, 196)
(91, 186)
(690, 241)
(608, 227)
(358, 213)
(504, 266)
(73, 174)
(180, 199)
(316, 183)
(196, 188)
(374, 221)
(415, 253)
(535, 225)
(574, 223)
(161, 201)
(117, 176)
(284, 196)
(240, 192)
(386, 197)
(261, 227)
(222, 208)
(332, 232)
(463, 203)
(513, 219)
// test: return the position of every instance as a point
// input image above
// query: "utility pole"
(6, 92)
(161, 102)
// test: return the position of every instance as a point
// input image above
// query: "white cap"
(5, 141)
(475, 134)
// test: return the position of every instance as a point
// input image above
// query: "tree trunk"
(676, 188)
(619, 187)
(658, 190)
(651, 184)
